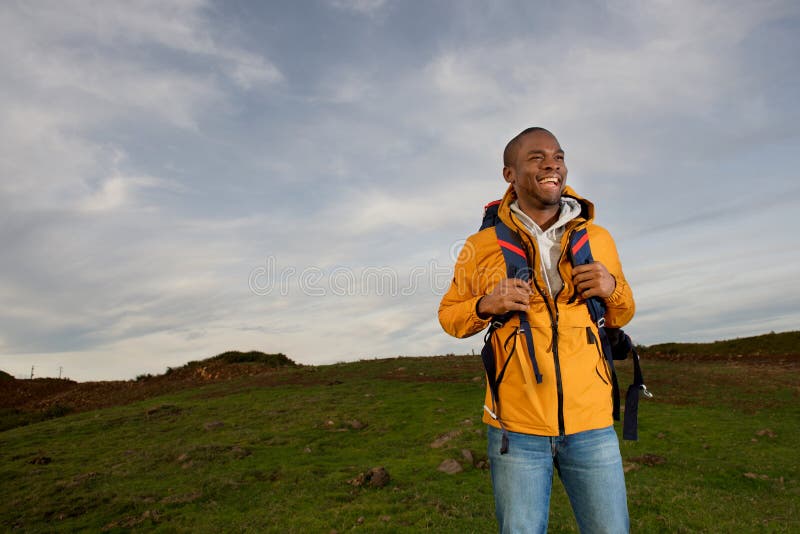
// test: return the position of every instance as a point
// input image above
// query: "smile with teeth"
(554, 180)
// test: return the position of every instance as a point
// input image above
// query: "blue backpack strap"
(581, 254)
(622, 345)
(517, 267)
(490, 217)
(616, 344)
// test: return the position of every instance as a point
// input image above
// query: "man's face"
(538, 172)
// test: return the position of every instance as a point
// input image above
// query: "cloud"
(78, 68)
(364, 7)
(154, 155)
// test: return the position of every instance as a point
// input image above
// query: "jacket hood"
(504, 211)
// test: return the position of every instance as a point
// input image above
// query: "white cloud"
(366, 7)
(150, 162)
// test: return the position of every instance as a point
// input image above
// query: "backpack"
(615, 343)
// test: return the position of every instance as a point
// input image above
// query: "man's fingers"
(513, 287)
(587, 267)
(517, 305)
(589, 292)
(599, 283)
(584, 277)
(516, 283)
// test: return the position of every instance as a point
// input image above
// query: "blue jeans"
(589, 465)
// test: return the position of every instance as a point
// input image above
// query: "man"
(566, 420)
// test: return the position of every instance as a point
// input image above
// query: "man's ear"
(508, 174)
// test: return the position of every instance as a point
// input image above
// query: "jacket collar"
(586, 215)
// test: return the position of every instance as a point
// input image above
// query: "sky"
(179, 178)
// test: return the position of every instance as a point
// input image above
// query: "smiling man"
(553, 406)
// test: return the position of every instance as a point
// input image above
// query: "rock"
(756, 476)
(40, 460)
(213, 425)
(444, 438)
(377, 477)
(360, 520)
(766, 432)
(478, 462)
(356, 424)
(385, 518)
(450, 466)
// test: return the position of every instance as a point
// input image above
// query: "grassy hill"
(763, 346)
(27, 401)
(286, 449)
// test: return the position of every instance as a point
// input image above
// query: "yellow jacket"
(575, 393)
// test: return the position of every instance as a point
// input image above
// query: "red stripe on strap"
(492, 203)
(512, 248)
(579, 245)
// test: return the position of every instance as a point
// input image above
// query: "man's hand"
(593, 280)
(510, 294)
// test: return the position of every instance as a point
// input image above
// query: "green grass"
(282, 460)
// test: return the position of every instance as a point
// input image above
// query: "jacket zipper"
(561, 426)
(553, 326)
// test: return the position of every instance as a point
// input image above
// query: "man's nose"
(551, 163)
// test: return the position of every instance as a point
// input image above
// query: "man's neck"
(543, 217)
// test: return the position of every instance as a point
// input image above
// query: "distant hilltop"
(765, 346)
(30, 400)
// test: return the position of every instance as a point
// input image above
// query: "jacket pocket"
(590, 337)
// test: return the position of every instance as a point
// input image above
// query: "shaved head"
(510, 153)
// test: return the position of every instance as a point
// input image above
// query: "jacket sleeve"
(457, 311)
(620, 305)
